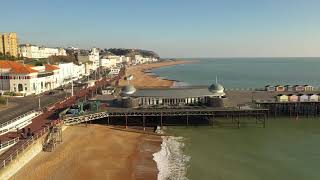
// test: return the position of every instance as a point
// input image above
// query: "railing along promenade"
(8, 123)
(11, 155)
(8, 143)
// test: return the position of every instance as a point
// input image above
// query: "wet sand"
(145, 80)
(96, 152)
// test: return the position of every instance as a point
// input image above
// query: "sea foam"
(171, 162)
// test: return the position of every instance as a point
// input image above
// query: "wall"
(22, 159)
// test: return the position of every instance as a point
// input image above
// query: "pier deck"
(158, 115)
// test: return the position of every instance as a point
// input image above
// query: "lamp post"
(72, 87)
(39, 103)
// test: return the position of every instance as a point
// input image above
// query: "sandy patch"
(142, 79)
(96, 152)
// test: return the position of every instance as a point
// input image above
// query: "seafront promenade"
(48, 118)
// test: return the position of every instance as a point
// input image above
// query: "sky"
(172, 28)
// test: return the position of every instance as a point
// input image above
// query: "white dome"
(128, 90)
(216, 88)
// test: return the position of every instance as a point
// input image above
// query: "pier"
(167, 117)
(307, 109)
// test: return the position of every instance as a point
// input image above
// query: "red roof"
(50, 67)
(17, 68)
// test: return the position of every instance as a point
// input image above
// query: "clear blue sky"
(173, 28)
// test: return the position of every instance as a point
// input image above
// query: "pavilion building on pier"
(212, 96)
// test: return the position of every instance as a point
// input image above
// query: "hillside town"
(27, 69)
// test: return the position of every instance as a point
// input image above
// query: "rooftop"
(181, 92)
(18, 68)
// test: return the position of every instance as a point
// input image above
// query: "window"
(25, 88)
(20, 87)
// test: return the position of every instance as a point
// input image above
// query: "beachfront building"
(270, 88)
(27, 79)
(139, 59)
(303, 97)
(308, 88)
(288, 88)
(94, 58)
(114, 71)
(108, 62)
(279, 88)
(71, 71)
(298, 88)
(36, 52)
(212, 96)
(313, 97)
(282, 98)
(293, 98)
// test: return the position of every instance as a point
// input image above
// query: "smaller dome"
(216, 88)
(128, 90)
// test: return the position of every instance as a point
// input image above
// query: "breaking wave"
(171, 161)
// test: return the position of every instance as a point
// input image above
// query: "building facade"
(26, 79)
(36, 52)
(94, 58)
(9, 44)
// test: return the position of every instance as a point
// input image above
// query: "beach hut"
(293, 98)
(313, 97)
(282, 98)
(298, 88)
(270, 88)
(308, 87)
(288, 87)
(279, 88)
(303, 97)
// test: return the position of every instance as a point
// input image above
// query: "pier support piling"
(187, 120)
(144, 122)
(126, 122)
(161, 123)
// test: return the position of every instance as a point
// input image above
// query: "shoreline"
(143, 78)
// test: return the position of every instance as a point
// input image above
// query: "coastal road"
(25, 104)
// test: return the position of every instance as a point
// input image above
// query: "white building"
(303, 97)
(114, 71)
(26, 79)
(70, 71)
(36, 52)
(94, 58)
(138, 59)
(108, 62)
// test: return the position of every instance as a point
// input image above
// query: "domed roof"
(128, 89)
(215, 87)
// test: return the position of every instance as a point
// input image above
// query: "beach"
(96, 152)
(142, 79)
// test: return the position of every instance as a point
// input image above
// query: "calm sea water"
(246, 72)
(286, 149)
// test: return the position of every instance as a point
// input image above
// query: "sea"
(285, 149)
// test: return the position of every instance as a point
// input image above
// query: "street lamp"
(39, 103)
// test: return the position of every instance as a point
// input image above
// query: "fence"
(17, 118)
(25, 145)
(9, 143)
